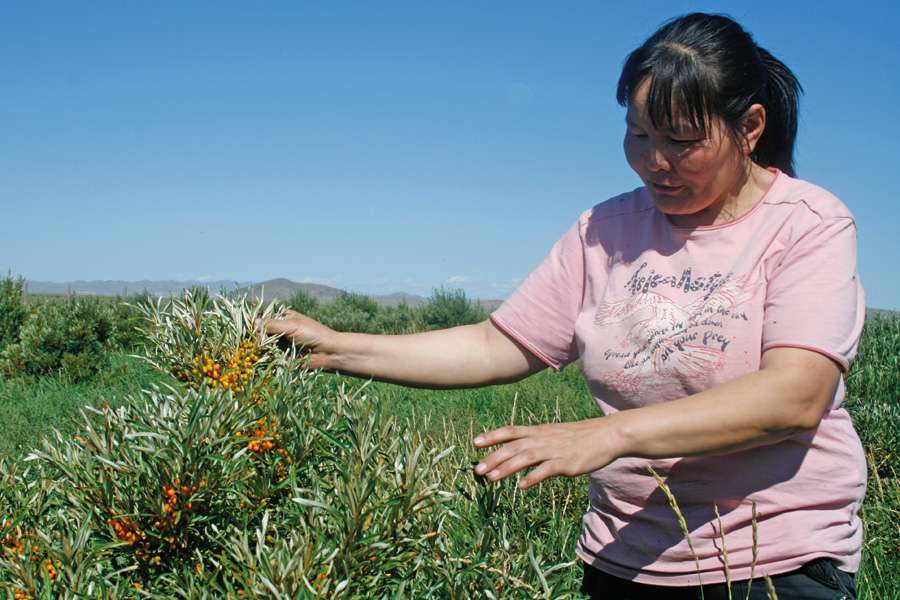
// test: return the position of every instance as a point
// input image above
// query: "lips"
(665, 189)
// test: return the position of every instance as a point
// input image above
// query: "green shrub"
(400, 319)
(450, 309)
(12, 309)
(70, 337)
(304, 302)
(350, 312)
(290, 488)
(127, 321)
(359, 302)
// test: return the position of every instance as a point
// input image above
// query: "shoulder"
(628, 206)
(809, 220)
(806, 201)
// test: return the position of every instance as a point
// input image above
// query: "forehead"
(638, 113)
(638, 116)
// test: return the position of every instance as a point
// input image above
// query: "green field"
(547, 518)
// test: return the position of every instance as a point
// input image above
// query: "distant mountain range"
(281, 289)
(128, 288)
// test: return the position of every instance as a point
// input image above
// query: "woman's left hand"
(568, 449)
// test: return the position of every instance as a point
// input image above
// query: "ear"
(752, 126)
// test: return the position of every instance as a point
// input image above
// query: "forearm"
(446, 358)
(760, 408)
(789, 393)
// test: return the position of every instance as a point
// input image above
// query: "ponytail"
(782, 91)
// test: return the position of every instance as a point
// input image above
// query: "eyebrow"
(691, 132)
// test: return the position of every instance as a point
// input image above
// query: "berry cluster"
(235, 374)
(14, 543)
(52, 568)
(178, 504)
(127, 530)
(223, 372)
(264, 438)
(265, 441)
(171, 503)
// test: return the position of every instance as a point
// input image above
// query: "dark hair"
(703, 66)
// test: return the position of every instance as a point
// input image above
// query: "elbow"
(811, 414)
(803, 386)
(801, 412)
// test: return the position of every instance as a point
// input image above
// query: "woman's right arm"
(457, 357)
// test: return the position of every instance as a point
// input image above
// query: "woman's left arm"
(789, 393)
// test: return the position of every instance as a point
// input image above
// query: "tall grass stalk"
(682, 523)
(754, 546)
(724, 550)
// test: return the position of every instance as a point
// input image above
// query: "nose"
(656, 160)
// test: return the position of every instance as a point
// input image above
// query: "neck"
(751, 184)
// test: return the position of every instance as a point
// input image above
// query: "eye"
(684, 143)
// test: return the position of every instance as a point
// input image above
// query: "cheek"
(698, 168)
(707, 164)
(632, 150)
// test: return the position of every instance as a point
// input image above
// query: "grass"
(30, 411)
(873, 399)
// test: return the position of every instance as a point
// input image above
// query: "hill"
(283, 289)
(166, 287)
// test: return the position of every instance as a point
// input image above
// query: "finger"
(500, 436)
(521, 460)
(316, 361)
(502, 454)
(545, 470)
(277, 326)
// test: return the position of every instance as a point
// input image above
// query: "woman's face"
(685, 172)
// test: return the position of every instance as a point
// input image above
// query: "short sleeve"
(814, 298)
(540, 315)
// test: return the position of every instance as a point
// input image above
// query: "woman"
(714, 309)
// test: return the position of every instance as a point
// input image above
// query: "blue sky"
(380, 147)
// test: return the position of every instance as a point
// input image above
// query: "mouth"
(666, 190)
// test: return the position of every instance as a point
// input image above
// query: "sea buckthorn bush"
(399, 319)
(128, 321)
(350, 312)
(252, 477)
(360, 314)
(12, 309)
(70, 337)
(450, 308)
(304, 302)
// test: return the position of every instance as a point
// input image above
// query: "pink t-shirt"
(658, 312)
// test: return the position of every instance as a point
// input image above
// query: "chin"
(671, 206)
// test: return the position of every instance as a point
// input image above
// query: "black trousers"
(819, 579)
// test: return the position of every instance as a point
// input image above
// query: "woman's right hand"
(311, 337)
(457, 357)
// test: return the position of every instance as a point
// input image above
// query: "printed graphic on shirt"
(671, 327)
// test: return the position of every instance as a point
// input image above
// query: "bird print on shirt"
(657, 340)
